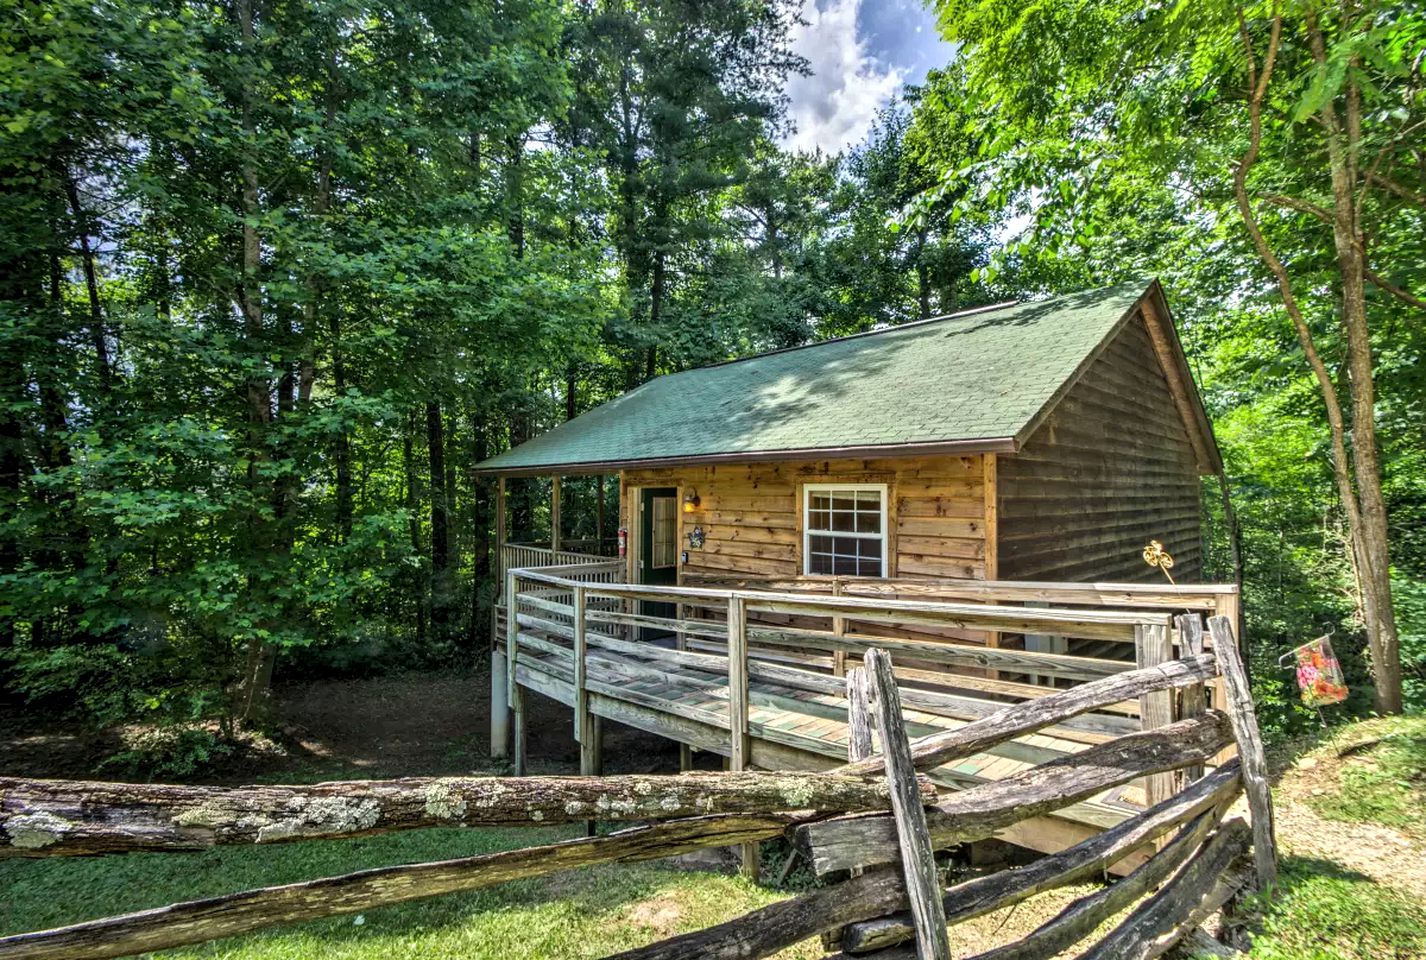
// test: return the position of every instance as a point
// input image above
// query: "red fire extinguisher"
(623, 542)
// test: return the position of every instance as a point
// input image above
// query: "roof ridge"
(987, 308)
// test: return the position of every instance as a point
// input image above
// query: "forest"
(276, 274)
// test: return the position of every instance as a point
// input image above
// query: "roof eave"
(926, 448)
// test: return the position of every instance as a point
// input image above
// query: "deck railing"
(521, 555)
(803, 640)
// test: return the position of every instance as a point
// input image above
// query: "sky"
(860, 52)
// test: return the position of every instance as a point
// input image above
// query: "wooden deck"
(685, 696)
(779, 703)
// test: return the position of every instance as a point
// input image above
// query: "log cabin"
(973, 492)
(1042, 441)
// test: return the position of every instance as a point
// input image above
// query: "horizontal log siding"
(1110, 469)
(752, 513)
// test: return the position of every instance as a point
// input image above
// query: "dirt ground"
(1388, 856)
(410, 725)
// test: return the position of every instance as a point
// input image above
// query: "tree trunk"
(50, 818)
(252, 692)
(98, 335)
(1358, 474)
(440, 524)
(481, 512)
(923, 279)
(413, 520)
(515, 194)
(342, 452)
(1369, 521)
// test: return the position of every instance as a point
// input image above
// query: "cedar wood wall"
(1111, 468)
(752, 517)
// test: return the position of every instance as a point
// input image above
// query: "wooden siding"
(1111, 468)
(752, 513)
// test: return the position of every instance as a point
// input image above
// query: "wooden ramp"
(797, 718)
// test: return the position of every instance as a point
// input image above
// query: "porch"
(753, 670)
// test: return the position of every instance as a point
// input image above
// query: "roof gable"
(972, 381)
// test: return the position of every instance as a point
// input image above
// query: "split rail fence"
(872, 822)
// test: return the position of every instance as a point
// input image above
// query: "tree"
(1287, 127)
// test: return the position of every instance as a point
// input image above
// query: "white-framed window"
(844, 529)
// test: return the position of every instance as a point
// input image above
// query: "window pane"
(845, 532)
(869, 521)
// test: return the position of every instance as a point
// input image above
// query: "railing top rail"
(826, 605)
(1196, 596)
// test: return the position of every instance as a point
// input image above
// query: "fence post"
(1250, 749)
(918, 862)
(738, 707)
(1153, 646)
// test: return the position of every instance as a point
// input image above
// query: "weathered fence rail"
(874, 820)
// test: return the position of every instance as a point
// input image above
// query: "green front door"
(658, 549)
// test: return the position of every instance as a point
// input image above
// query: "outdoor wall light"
(690, 501)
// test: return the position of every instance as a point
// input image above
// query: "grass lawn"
(1351, 824)
(587, 913)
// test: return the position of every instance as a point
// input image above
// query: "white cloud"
(835, 106)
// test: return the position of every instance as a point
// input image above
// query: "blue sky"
(861, 53)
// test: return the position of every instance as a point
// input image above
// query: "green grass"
(1385, 783)
(1321, 912)
(588, 913)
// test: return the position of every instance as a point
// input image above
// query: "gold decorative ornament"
(1156, 556)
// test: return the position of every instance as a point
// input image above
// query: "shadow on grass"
(1321, 909)
(578, 913)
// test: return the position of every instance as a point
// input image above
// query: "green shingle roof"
(972, 378)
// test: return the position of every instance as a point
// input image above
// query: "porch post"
(499, 535)
(499, 701)
(555, 513)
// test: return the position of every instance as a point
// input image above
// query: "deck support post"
(555, 497)
(839, 627)
(588, 729)
(512, 656)
(499, 707)
(680, 642)
(1152, 646)
(738, 707)
(581, 669)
